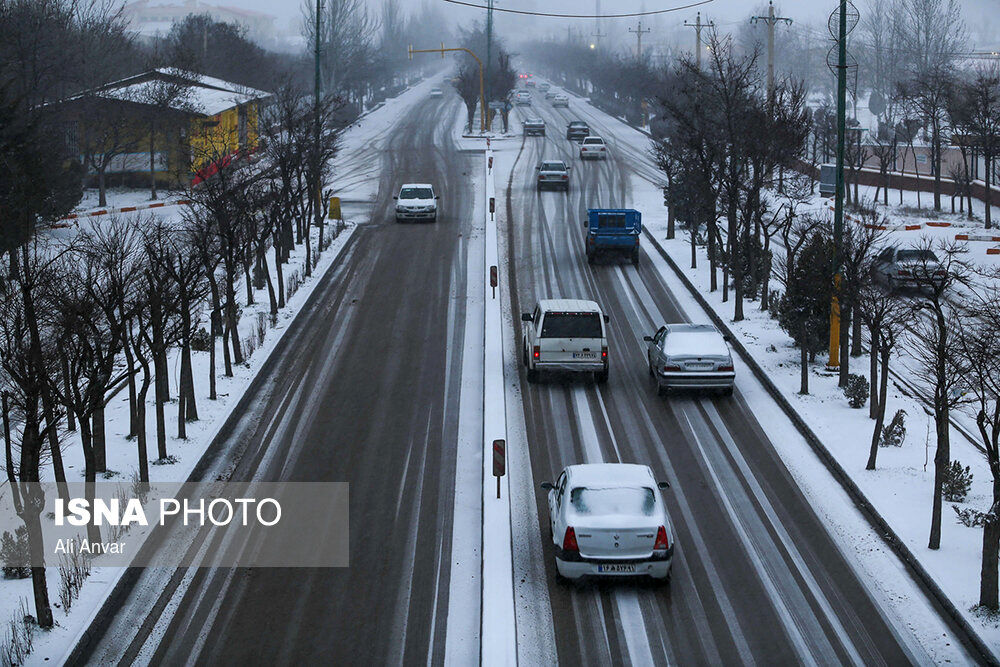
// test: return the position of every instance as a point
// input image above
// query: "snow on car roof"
(569, 305)
(415, 185)
(609, 475)
(695, 340)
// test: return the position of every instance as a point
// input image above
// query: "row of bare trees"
(722, 141)
(107, 308)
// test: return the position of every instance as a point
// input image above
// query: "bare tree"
(980, 343)
(980, 104)
(886, 316)
(932, 344)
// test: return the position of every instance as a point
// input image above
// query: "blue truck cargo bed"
(613, 230)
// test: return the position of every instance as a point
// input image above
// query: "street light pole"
(838, 209)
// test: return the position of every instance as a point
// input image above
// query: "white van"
(565, 335)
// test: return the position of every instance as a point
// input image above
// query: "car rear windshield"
(916, 256)
(613, 500)
(593, 140)
(571, 325)
(416, 193)
(553, 166)
(577, 124)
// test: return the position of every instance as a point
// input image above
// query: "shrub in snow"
(20, 636)
(956, 482)
(856, 390)
(201, 341)
(14, 554)
(894, 434)
(970, 517)
(74, 568)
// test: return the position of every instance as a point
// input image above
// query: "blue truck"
(613, 231)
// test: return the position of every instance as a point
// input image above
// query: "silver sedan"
(690, 356)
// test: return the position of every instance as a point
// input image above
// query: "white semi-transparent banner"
(220, 524)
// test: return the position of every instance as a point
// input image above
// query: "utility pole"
(489, 58)
(638, 36)
(771, 21)
(698, 25)
(597, 23)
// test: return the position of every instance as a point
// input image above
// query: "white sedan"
(593, 148)
(608, 519)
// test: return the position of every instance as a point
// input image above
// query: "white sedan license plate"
(616, 569)
(584, 355)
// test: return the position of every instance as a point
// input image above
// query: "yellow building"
(170, 123)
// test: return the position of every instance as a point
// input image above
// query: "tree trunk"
(873, 375)
(52, 426)
(765, 285)
(89, 474)
(39, 587)
(100, 441)
(102, 191)
(11, 476)
(140, 440)
(844, 343)
(152, 161)
(70, 418)
(694, 246)
(988, 198)
(804, 359)
(670, 222)
(279, 273)
(856, 334)
(880, 416)
(942, 458)
(712, 261)
(988, 593)
(271, 296)
(233, 321)
(185, 391)
(130, 363)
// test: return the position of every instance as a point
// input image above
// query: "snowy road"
(365, 388)
(758, 578)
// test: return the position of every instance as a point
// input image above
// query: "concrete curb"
(123, 209)
(966, 632)
(497, 632)
(126, 582)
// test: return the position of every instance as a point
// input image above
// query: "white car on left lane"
(608, 519)
(416, 201)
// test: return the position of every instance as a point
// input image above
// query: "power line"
(581, 16)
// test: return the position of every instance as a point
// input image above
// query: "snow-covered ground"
(356, 177)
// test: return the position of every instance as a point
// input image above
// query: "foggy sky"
(981, 16)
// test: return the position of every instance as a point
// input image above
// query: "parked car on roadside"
(553, 174)
(909, 267)
(690, 356)
(565, 335)
(609, 520)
